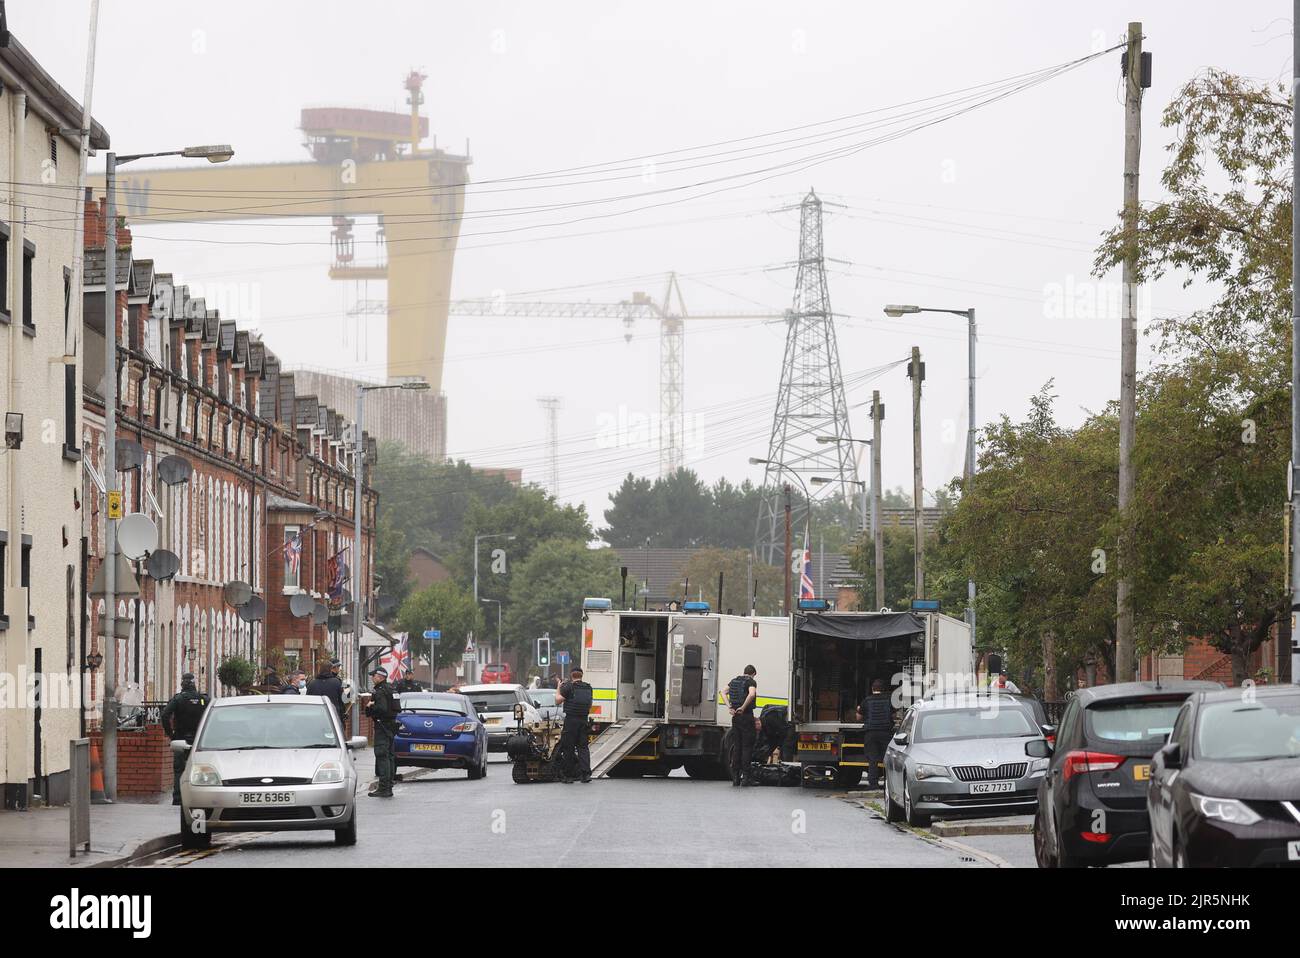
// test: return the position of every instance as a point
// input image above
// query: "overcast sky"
(998, 209)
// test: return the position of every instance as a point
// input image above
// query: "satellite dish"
(320, 612)
(137, 536)
(173, 470)
(254, 610)
(301, 604)
(130, 455)
(237, 593)
(162, 565)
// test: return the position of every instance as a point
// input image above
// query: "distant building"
(425, 568)
(416, 419)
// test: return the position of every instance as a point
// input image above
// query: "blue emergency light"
(925, 605)
(597, 605)
(814, 605)
(698, 608)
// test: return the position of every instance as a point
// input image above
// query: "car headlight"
(1224, 809)
(328, 773)
(1039, 765)
(204, 775)
(930, 771)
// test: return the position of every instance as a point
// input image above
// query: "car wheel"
(914, 818)
(347, 835)
(892, 812)
(476, 771)
(191, 840)
(1041, 856)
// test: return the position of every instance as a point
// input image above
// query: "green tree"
(532, 516)
(1212, 435)
(445, 606)
(738, 578)
(392, 552)
(547, 589)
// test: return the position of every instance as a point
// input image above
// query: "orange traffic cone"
(97, 796)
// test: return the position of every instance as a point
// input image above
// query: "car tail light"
(463, 726)
(1076, 763)
(1098, 837)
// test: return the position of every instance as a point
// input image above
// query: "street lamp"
(896, 311)
(500, 659)
(509, 537)
(822, 480)
(214, 154)
(358, 469)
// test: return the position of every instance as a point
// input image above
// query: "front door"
(692, 676)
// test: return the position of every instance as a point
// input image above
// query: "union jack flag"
(806, 590)
(293, 553)
(397, 660)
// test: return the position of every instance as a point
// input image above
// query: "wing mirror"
(1171, 755)
(180, 745)
(900, 738)
(1038, 748)
(357, 742)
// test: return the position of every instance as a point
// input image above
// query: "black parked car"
(1092, 801)
(1226, 789)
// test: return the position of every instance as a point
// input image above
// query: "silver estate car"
(963, 754)
(269, 763)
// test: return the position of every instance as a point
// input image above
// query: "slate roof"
(94, 268)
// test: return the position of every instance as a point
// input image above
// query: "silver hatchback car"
(964, 754)
(269, 763)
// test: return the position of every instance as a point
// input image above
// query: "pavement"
(120, 832)
(38, 838)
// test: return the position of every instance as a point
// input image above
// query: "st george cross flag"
(397, 660)
(805, 573)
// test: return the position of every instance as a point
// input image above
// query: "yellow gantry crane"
(363, 163)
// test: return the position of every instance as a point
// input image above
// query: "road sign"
(433, 635)
(468, 657)
(114, 504)
(562, 657)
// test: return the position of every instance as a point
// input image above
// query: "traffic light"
(544, 650)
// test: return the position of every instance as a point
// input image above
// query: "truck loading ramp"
(611, 745)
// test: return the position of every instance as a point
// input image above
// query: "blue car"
(440, 730)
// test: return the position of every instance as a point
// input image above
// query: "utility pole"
(916, 373)
(970, 450)
(1295, 350)
(1134, 82)
(108, 727)
(788, 604)
(877, 531)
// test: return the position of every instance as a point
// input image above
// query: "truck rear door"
(692, 675)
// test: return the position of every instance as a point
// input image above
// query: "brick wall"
(144, 760)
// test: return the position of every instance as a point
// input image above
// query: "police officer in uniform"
(741, 693)
(877, 729)
(180, 719)
(383, 709)
(575, 695)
